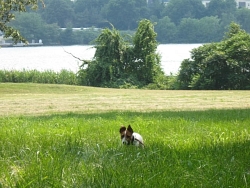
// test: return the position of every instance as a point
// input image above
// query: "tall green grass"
(34, 76)
(71, 78)
(182, 149)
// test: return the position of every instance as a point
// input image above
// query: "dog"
(128, 136)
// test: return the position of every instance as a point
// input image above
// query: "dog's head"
(126, 135)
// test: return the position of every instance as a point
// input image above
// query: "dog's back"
(137, 139)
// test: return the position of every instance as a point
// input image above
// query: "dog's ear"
(130, 129)
(122, 129)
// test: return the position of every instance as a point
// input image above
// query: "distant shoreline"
(20, 45)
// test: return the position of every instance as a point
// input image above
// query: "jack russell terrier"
(128, 136)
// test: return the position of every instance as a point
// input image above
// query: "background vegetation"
(221, 66)
(118, 63)
(7, 14)
(34, 76)
(179, 21)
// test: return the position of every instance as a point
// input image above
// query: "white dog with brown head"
(128, 136)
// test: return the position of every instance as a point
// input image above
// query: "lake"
(57, 58)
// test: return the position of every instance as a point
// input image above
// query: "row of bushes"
(71, 78)
(34, 76)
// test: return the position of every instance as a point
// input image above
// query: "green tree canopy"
(166, 30)
(33, 27)
(117, 62)
(220, 7)
(88, 13)
(107, 64)
(243, 18)
(7, 10)
(206, 29)
(146, 60)
(223, 65)
(124, 14)
(178, 9)
(59, 11)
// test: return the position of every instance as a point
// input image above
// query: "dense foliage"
(117, 63)
(7, 9)
(34, 76)
(223, 65)
(177, 22)
(218, 66)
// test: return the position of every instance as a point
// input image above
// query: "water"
(57, 58)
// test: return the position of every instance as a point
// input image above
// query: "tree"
(202, 30)
(223, 65)
(178, 9)
(86, 36)
(209, 30)
(187, 30)
(87, 13)
(7, 10)
(124, 14)
(106, 65)
(166, 30)
(155, 8)
(60, 12)
(225, 21)
(220, 7)
(243, 18)
(33, 27)
(146, 61)
(117, 62)
(67, 36)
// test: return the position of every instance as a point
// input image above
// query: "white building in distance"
(239, 3)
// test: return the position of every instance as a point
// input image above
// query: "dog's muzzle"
(125, 142)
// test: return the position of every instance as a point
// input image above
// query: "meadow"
(68, 136)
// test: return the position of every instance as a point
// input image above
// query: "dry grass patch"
(38, 99)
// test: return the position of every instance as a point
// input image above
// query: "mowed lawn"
(68, 136)
(42, 99)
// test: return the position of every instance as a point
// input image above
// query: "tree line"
(133, 62)
(180, 21)
(217, 66)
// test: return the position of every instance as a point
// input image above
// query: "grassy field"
(68, 136)
(42, 99)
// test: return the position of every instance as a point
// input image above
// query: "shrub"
(46, 77)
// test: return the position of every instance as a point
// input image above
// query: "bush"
(219, 66)
(116, 61)
(34, 76)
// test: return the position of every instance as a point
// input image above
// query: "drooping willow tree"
(118, 62)
(146, 60)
